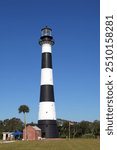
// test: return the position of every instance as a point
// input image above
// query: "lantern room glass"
(46, 32)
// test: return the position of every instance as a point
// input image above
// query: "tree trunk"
(25, 126)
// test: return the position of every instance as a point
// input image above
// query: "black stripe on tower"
(46, 60)
(46, 93)
(48, 128)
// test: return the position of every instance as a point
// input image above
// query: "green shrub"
(88, 136)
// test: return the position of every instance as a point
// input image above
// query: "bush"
(88, 136)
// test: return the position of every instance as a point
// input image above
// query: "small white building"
(8, 136)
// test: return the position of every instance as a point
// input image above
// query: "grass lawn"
(76, 144)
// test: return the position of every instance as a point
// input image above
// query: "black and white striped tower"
(47, 114)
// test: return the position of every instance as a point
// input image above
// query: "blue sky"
(75, 25)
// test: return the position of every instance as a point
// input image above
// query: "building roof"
(36, 128)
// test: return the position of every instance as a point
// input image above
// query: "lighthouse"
(47, 113)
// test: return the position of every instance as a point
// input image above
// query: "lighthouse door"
(43, 134)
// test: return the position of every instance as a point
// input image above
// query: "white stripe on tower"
(47, 111)
(46, 76)
(46, 48)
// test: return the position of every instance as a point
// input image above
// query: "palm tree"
(24, 109)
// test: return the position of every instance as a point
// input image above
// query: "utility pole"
(69, 130)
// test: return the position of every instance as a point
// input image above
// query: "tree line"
(83, 129)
